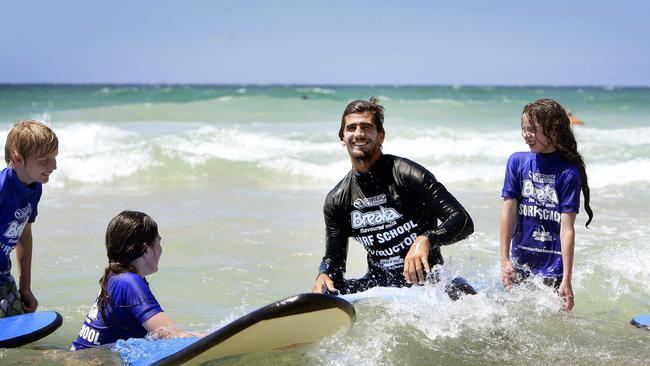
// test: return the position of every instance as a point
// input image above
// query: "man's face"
(360, 136)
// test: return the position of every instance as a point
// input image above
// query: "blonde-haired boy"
(30, 153)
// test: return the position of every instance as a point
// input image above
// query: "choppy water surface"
(236, 177)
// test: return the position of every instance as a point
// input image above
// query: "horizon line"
(152, 84)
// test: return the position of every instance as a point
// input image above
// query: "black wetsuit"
(385, 210)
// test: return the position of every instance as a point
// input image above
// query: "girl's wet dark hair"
(128, 236)
(555, 123)
(362, 106)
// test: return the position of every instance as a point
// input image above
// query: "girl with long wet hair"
(541, 197)
(125, 307)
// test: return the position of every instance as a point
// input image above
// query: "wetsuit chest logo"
(383, 215)
(360, 203)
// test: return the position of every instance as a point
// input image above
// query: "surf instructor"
(393, 206)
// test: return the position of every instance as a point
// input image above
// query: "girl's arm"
(567, 241)
(506, 227)
(162, 327)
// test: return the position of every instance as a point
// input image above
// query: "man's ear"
(380, 138)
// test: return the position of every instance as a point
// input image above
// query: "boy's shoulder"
(6, 173)
(10, 184)
(6, 178)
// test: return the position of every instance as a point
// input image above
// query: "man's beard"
(361, 155)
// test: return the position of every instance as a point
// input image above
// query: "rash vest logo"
(24, 212)
(545, 195)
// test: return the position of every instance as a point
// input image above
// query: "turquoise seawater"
(236, 176)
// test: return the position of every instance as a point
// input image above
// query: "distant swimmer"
(392, 206)
(573, 119)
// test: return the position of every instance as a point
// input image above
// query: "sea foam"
(102, 153)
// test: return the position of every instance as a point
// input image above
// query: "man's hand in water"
(416, 262)
(322, 283)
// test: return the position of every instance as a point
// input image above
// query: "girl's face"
(148, 263)
(534, 136)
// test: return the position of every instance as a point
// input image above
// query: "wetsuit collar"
(376, 167)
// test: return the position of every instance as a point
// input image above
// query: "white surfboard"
(287, 324)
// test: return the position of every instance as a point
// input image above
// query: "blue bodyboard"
(19, 330)
(641, 321)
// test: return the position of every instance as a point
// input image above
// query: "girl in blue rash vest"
(125, 307)
(541, 197)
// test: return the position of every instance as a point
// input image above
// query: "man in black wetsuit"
(393, 206)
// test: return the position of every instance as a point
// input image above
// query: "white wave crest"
(445, 143)
(317, 90)
(94, 153)
(589, 138)
(619, 173)
(101, 153)
(205, 143)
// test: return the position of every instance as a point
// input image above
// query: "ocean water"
(236, 176)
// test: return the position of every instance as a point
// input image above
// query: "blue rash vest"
(18, 207)
(132, 303)
(545, 186)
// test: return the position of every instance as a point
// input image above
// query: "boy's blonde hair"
(31, 139)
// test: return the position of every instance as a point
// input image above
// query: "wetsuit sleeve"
(436, 203)
(336, 243)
